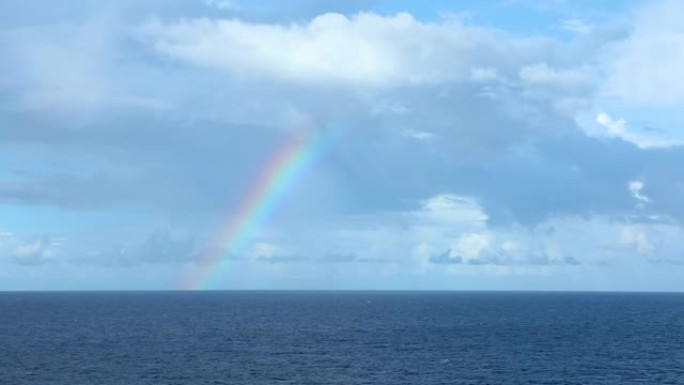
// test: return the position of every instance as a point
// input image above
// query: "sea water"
(388, 338)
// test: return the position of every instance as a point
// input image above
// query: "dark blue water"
(340, 338)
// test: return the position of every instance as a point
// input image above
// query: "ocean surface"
(391, 338)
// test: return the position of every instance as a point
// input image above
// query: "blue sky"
(503, 144)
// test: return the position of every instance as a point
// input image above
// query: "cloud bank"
(455, 149)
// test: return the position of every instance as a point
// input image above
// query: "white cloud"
(484, 75)
(544, 75)
(420, 135)
(638, 237)
(364, 49)
(470, 246)
(264, 250)
(647, 66)
(452, 209)
(577, 26)
(29, 250)
(450, 234)
(33, 252)
(635, 187)
(510, 246)
(617, 128)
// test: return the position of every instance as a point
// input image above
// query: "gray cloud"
(338, 258)
(672, 262)
(446, 258)
(157, 247)
(325, 259)
(488, 138)
(278, 259)
(501, 259)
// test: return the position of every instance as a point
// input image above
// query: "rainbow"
(275, 179)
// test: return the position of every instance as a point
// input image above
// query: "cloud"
(69, 73)
(639, 238)
(222, 5)
(446, 258)
(635, 188)
(450, 208)
(334, 258)
(542, 74)
(160, 246)
(476, 102)
(5, 235)
(543, 259)
(618, 129)
(470, 247)
(340, 258)
(451, 148)
(281, 259)
(444, 222)
(366, 48)
(482, 250)
(577, 26)
(35, 252)
(643, 68)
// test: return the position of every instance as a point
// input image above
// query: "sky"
(337, 144)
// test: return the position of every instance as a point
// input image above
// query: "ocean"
(224, 337)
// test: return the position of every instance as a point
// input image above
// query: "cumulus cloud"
(362, 49)
(638, 238)
(471, 246)
(34, 252)
(418, 239)
(483, 250)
